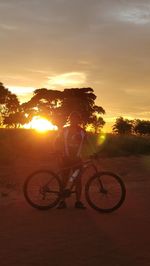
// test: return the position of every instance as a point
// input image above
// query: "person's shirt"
(71, 140)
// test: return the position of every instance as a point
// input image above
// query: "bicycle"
(104, 191)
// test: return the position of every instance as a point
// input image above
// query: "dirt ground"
(73, 237)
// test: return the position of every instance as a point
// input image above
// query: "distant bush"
(142, 127)
(124, 126)
(125, 145)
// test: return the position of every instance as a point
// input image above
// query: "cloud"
(99, 43)
(135, 15)
(21, 90)
(5, 4)
(67, 79)
(39, 71)
(24, 93)
(133, 12)
(8, 27)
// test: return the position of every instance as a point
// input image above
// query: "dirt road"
(78, 237)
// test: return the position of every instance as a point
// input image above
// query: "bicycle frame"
(85, 164)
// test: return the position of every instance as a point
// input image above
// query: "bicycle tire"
(96, 203)
(52, 202)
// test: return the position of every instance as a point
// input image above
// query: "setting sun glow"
(40, 124)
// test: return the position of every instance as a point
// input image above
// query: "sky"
(57, 44)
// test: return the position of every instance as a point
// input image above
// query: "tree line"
(124, 126)
(56, 106)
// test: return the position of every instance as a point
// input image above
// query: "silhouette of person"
(70, 141)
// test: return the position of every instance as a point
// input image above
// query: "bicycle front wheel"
(42, 189)
(105, 192)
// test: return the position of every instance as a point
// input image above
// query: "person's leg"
(64, 179)
(65, 176)
(78, 183)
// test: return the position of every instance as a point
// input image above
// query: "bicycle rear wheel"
(42, 189)
(105, 192)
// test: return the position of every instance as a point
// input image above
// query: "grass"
(115, 145)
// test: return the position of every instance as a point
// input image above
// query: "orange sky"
(66, 43)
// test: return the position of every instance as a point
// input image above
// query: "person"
(70, 141)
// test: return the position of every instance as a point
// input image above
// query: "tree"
(57, 105)
(54, 105)
(15, 120)
(9, 103)
(83, 101)
(97, 123)
(142, 127)
(43, 103)
(122, 126)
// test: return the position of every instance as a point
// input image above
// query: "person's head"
(75, 118)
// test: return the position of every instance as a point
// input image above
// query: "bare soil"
(73, 237)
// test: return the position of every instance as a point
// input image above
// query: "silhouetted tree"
(57, 105)
(42, 103)
(53, 104)
(83, 101)
(9, 103)
(15, 120)
(122, 126)
(97, 123)
(142, 127)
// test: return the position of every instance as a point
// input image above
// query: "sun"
(40, 124)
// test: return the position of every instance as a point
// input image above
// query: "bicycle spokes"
(105, 192)
(42, 189)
